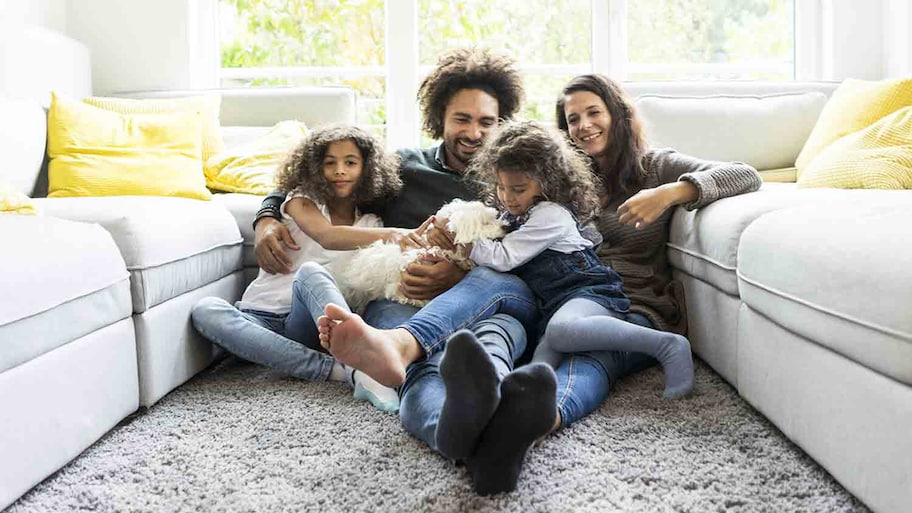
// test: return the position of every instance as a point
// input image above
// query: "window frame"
(609, 55)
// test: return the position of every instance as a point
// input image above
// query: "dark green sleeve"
(271, 207)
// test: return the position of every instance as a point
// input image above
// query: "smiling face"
(588, 122)
(517, 192)
(342, 166)
(469, 116)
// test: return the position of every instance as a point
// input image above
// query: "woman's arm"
(687, 181)
(336, 237)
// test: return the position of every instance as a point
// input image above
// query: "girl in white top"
(548, 191)
(327, 178)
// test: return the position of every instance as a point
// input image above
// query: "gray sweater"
(639, 256)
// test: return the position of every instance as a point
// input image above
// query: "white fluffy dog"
(374, 272)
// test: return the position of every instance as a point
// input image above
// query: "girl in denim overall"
(546, 191)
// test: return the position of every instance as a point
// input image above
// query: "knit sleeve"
(713, 180)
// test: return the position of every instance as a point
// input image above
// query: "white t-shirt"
(272, 292)
(550, 226)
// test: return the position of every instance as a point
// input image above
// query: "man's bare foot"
(381, 354)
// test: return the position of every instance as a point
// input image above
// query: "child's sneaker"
(382, 397)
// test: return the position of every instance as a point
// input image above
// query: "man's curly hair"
(543, 154)
(303, 168)
(469, 68)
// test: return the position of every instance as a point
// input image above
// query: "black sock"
(472, 395)
(527, 412)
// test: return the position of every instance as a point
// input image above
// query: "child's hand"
(414, 238)
(438, 235)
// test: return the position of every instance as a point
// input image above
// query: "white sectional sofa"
(801, 299)
(95, 293)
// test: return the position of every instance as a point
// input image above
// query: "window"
(711, 39)
(314, 42)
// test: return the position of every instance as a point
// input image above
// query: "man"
(466, 402)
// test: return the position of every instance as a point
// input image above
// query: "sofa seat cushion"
(839, 276)
(704, 243)
(170, 245)
(61, 280)
(244, 208)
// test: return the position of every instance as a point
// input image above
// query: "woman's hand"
(644, 207)
(271, 239)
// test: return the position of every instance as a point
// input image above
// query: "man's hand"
(271, 238)
(429, 278)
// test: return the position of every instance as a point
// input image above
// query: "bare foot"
(381, 354)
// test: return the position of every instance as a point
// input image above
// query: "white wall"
(144, 45)
(852, 40)
(44, 13)
(897, 41)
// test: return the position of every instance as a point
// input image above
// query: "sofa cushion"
(61, 280)
(838, 275)
(704, 243)
(23, 126)
(170, 245)
(876, 157)
(251, 167)
(855, 104)
(206, 106)
(95, 152)
(244, 208)
(764, 131)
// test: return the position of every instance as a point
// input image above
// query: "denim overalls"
(556, 277)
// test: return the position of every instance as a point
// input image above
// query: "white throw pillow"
(766, 132)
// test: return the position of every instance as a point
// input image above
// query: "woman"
(640, 187)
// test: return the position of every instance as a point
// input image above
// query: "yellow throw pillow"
(14, 202)
(877, 157)
(208, 107)
(95, 152)
(855, 104)
(250, 168)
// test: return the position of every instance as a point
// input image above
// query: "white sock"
(383, 397)
(337, 373)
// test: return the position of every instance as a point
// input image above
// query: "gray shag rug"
(242, 438)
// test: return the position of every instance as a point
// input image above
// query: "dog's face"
(471, 220)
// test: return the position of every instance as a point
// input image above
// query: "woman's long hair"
(627, 142)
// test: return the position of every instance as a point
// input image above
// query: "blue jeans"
(421, 396)
(494, 306)
(286, 342)
(479, 295)
(584, 380)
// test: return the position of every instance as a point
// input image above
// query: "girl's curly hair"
(303, 168)
(628, 146)
(545, 155)
(469, 68)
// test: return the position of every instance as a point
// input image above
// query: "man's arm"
(271, 238)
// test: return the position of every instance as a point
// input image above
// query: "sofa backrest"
(33, 62)
(762, 123)
(248, 113)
